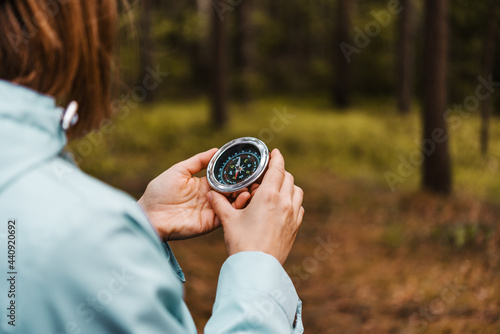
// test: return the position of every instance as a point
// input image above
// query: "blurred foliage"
(396, 247)
(464, 234)
(293, 47)
(360, 144)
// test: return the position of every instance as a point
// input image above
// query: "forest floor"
(368, 258)
(410, 263)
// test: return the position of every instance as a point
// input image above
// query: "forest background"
(387, 114)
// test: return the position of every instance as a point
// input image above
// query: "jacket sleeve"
(255, 295)
(115, 276)
(112, 275)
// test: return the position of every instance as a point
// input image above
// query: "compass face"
(237, 165)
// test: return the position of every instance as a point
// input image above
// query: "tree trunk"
(437, 166)
(488, 64)
(145, 45)
(405, 56)
(342, 84)
(219, 79)
(244, 50)
(202, 57)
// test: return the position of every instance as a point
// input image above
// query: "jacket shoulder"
(88, 252)
(62, 197)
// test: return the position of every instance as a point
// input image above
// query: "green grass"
(361, 143)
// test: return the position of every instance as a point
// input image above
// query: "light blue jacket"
(86, 259)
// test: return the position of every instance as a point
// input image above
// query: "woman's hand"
(270, 222)
(176, 201)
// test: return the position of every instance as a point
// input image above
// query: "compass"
(237, 165)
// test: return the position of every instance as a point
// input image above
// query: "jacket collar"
(30, 131)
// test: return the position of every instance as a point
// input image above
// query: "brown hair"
(61, 48)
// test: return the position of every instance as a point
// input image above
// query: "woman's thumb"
(220, 204)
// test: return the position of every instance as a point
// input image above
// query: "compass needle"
(237, 165)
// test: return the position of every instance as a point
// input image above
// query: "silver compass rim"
(232, 188)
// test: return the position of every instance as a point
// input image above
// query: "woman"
(85, 258)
